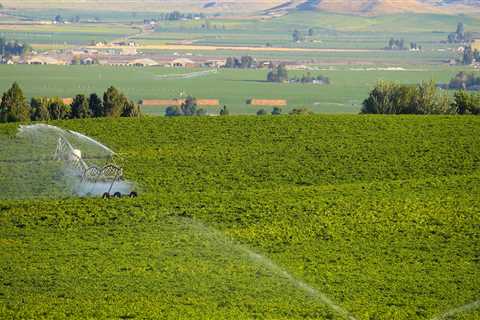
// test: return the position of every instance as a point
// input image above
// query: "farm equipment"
(91, 176)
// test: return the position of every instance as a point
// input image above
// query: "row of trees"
(278, 74)
(190, 108)
(300, 36)
(244, 62)
(463, 80)
(395, 44)
(308, 78)
(425, 98)
(14, 106)
(460, 36)
(470, 56)
(278, 111)
(13, 48)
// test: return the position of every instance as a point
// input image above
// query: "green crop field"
(349, 85)
(285, 217)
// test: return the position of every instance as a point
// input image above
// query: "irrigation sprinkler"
(108, 174)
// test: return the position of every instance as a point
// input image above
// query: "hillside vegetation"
(322, 217)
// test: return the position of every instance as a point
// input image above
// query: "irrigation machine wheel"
(117, 195)
(133, 194)
(106, 195)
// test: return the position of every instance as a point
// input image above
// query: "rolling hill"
(368, 7)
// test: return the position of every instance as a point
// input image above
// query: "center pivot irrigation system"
(109, 174)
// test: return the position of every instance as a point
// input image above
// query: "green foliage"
(80, 107)
(298, 36)
(392, 98)
(276, 111)
(301, 111)
(116, 104)
(14, 106)
(40, 110)
(245, 62)
(113, 102)
(262, 112)
(189, 106)
(466, 103)
(58, 110)
(278, 74)
(224, 111)
(95, 105)
(13, 48)
(377, 213)
(173, 111)
(396, 44)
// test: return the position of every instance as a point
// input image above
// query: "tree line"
(424, 98)
(13, 48)
(14, 106)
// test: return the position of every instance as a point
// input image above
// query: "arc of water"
(468, 307)
(270, 265)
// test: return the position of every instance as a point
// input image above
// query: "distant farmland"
(349, 85)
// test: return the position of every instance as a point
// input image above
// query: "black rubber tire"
(133, 194)
(106, 195)
(117, 195)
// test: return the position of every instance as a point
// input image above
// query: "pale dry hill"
(365, 7)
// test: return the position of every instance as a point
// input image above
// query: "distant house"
(87, 61)
(215, 63)
(267, 102)
(182, 63)
(45, 60)
(143, 63)
(128, 51)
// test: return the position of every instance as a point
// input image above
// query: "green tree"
(40, 109)
(58, 110)
(173, 111)
(131, 109)
(189, 106)
(224, 111)
(300, 111)
(298, 36)
(468, 57)
(460, 31)
(95, 105)
(466, 103)
(80, 107)
(14, 106)
(262, 112)
(276, 111)
(278, 74)
(113, 102)
(311, 32)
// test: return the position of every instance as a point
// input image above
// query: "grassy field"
(320, 217)
(349, 85)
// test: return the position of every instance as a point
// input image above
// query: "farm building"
(178, 102)
(143, 63)
(182, 63)
(87, 61)
(45, 60)
(267, 102)
(215, 63)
